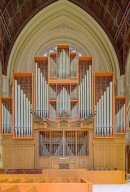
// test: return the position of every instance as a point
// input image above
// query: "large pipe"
(90, 88)
(124, 114)
(104, 111)
(16, 107)
(85, 99)
(36, 82)
(88, 96)
(111, 108)
(108, 111)
(97, 119)
(80, 91)
(102, 115)
(41, 106)
(21, 111)
(2, 118)
(38, 93)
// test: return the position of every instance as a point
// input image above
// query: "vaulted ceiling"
(113, 17)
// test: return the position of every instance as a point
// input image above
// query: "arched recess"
(62, 22)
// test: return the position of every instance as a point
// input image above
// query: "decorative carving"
(64, 119)
(42, 122)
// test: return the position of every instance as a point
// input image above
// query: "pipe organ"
(63, 110)
(85, 86)
(22, 105)
(120, 114)
(41, 86)
(6, 115)
(104, 101)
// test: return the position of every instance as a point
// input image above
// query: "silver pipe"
(38, 91)
(88, 96)
(124, 117)
(27, 115)
(29, 118)
(99, 117)
(2, 118)
(64, 99)
(43, 94)
(104, 112)
(83, 97)
(85, 91)
(18, 103)
(24, 115)
(108, 110)
(41, 109)
(80, 90)
(36, 82)
(45, 106)
(64, 72)
(47, 98)
(22, 112)
(111, 124)
(121, 119)
(16, 106)
(90, 88)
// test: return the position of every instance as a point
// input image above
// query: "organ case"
(76, 113)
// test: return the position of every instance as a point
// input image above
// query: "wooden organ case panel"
(23, 105)
(104, 102)
(6, 116)
(120, 114)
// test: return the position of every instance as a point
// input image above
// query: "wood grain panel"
(109, 156)
(29, 157)
(18, 157)
(120, 156)
(8, 157)
(99, 156)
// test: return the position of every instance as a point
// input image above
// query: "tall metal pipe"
(108, 110)
(90, 88)
(111, 108)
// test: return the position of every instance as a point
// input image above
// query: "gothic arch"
(62, 22)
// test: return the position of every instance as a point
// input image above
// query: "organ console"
(63, 110)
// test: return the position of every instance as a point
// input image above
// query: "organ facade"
(63, 115)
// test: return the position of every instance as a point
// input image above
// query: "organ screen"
(63, 143)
